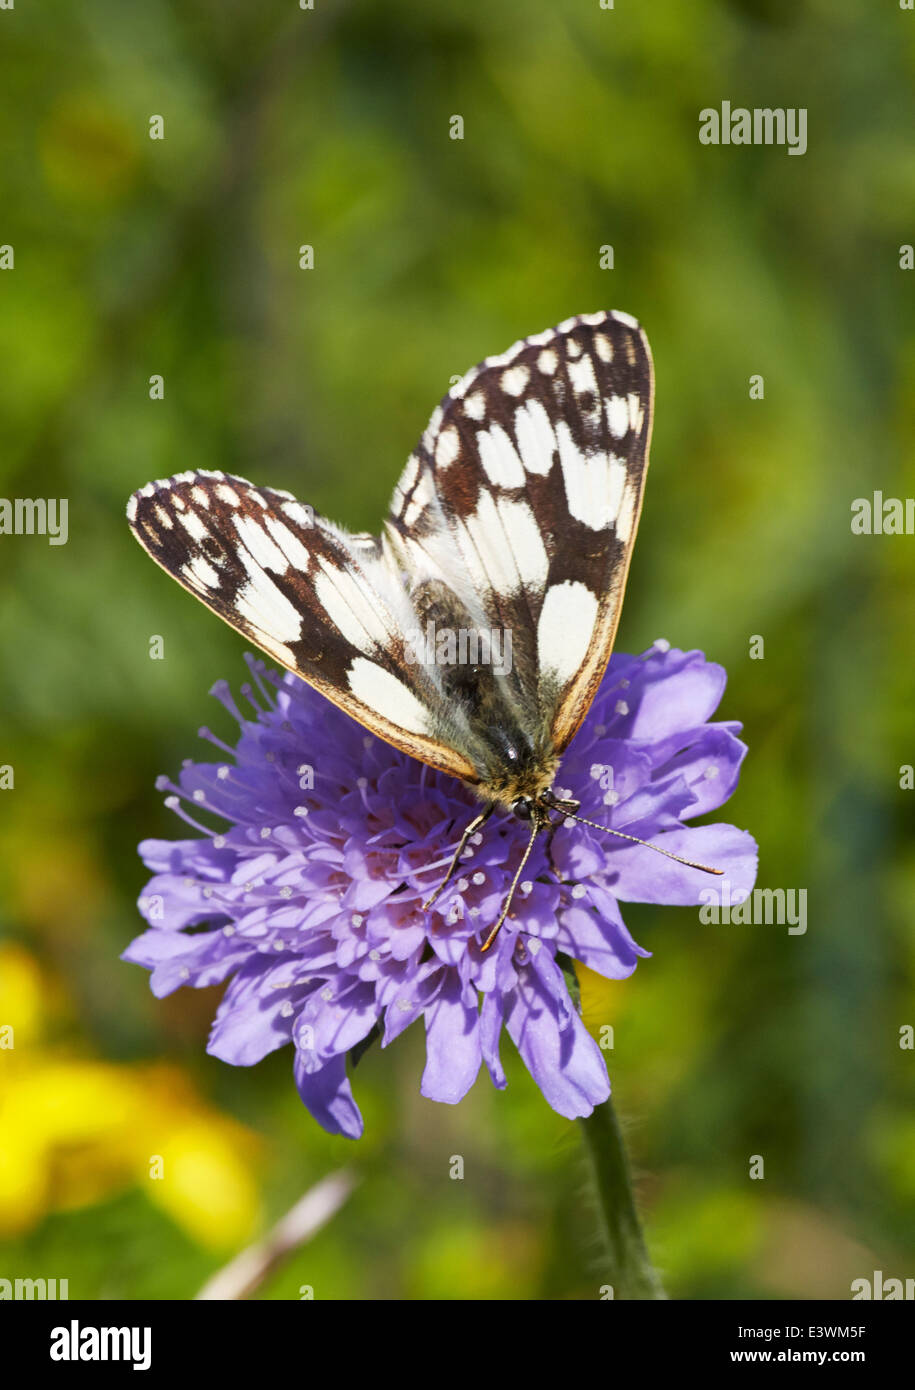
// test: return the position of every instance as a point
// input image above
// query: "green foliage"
(180, 257)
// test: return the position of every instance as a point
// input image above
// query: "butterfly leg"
(536, 827)
(551, 835)
(474, 825)
(559, 804)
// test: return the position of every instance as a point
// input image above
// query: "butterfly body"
(522, 766)
(508, 541)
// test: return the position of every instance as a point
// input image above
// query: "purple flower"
(310, 902)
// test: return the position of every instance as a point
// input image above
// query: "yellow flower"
(74, 1130)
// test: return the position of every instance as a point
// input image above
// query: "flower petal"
(329, 1097)
(334, 1018)
(674, 690)
(639, 875)
(710, 766)
(565, 1062)
(599, 939)
(453, 1053)
(175, 960)
(257, 1013)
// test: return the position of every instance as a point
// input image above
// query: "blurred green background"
(180, 257)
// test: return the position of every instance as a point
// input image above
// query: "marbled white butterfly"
(517, 513)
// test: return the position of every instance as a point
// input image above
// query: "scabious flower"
(309, 899)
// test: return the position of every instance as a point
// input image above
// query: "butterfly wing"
(322, 602)
(517, 512)
(524, 496)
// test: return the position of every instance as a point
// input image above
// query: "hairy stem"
(631, 1270)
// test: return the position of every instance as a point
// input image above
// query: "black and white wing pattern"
(516, 515)
(524, 495)
(320, 601)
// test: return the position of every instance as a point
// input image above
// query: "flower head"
(309, 900)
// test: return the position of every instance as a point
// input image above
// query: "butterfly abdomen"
(465, 658)
(472, 666)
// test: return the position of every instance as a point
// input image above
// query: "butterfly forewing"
(525, 493)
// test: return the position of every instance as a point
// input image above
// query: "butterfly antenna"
(690, 863)
(535, 829)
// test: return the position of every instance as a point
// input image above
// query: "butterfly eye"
(523, 808)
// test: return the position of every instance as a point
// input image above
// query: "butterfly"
(514, 519)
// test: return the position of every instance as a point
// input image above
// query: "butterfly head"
(537, 808)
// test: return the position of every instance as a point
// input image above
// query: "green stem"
(631, 1271)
